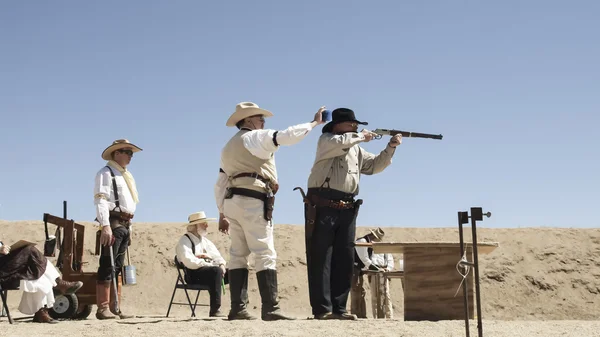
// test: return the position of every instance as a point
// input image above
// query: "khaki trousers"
(381, 285)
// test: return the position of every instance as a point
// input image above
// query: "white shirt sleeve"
(102, 189)
(363, 254)
(185, 255)
(220, 190)
(390, 262)
(260, 142)
(213, 252)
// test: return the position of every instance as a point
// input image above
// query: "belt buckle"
(339, 204)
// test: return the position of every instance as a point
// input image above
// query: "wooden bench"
(431, 278)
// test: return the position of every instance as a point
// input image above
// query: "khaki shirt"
(340, 158)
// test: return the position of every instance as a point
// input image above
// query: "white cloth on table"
(38, 293)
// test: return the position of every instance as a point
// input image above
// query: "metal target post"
(476, 215)
(463, 218)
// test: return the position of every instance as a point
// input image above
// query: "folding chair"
(4, 288)
(183, 283)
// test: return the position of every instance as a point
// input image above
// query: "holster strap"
(251, 175)
(335, 204)
(273, 185)
(121, 215)
(247, 193)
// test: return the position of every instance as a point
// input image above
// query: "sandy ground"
(539, 282)
(151, 326)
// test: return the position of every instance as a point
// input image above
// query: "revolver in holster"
(269, 203)
(310, 214)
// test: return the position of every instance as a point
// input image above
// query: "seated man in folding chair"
(202, 260)
(37, 279)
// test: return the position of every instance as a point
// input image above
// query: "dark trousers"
(26, 263)
(119, 247)
(212, 278)
(330, 259)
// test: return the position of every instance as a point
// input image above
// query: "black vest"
(357, 261)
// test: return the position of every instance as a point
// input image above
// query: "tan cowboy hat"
(378, 233)
(119, 144)
(244, 110)
(198, 217)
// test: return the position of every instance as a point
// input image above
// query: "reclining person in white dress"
(36, 277)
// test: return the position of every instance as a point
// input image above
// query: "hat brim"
(106, 154)
(329, 126)
(200, 221)
(376, 236)
(245, 113)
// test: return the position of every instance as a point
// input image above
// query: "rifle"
(381, 132)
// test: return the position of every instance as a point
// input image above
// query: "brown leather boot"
(42, 316)
(102, 300)
(66, 287)
(112, 302)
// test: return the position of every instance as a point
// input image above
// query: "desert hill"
(535, 273)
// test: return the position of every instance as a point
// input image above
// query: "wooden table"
(431, 278)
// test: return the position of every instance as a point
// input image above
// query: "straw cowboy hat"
(244, 110)
(117, 145)
(377, 233)
(340, 115)
(198, 217)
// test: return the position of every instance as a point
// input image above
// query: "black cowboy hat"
(340, 115)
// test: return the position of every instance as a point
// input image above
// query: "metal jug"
(129, 276)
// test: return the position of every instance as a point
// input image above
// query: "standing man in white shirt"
(115, 197)
(245, 195)
(381, 285)
(203, 263)
(365, 260)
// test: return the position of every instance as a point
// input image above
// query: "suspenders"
(193, 245)
(114, 183)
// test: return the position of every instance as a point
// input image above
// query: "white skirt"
(38, 293)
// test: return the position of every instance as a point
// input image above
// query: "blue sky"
(512, 85)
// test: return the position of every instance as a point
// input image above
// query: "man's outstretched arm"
(263, 143)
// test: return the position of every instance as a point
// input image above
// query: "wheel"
(65, 307)
(83, 312)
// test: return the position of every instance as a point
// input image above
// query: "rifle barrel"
(408, 134)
